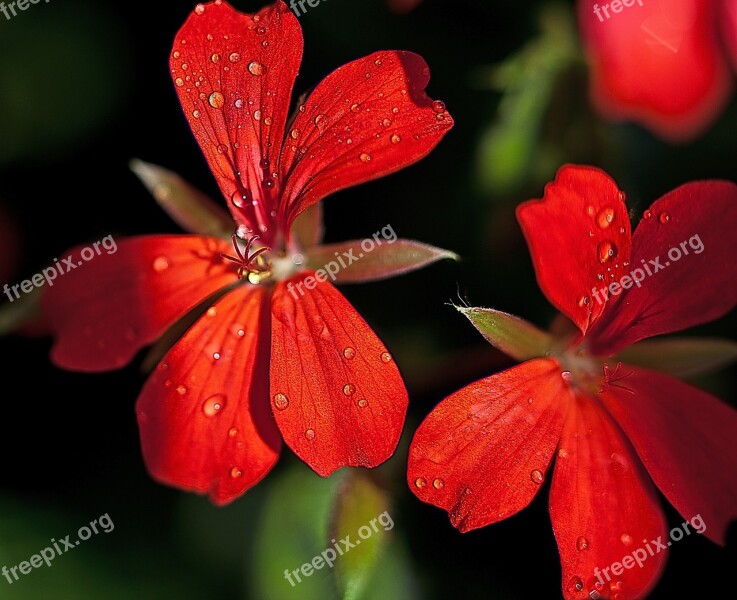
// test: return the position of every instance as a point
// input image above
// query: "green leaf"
(192, 210)
(513, 336)
(682, 357)
(361, 516)
(22, 312)
(378, 258)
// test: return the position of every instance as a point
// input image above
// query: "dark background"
(85, 87)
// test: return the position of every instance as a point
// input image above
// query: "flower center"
(252, 265)
(589, 373)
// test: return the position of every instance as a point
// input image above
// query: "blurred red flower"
(260, 364)
(619, 431)
(660, 63)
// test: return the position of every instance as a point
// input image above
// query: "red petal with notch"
(234, 74)
(204, 413)
(657, 62)
(337, 396)
(685, 438)
(482, 453)
(697, 218)
(603, 504)
(367, 119)
(579, 239)
(105, 310)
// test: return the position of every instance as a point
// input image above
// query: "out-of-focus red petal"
(685, 438)
(482, 453)
(367, 119)
(403, 6)
(728, 19)
(603, 504)
(579, 239)
(336, 393)
(107, 309)
(697, 218)
(657, 62)
(234, 74)
(204, 412)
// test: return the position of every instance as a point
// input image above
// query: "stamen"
(612, 379)
(246, 259)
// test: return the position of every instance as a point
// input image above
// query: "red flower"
(619, 431)
(660, 62)
(258, 346)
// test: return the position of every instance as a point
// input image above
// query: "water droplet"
(232, 432)
(438, 106)
(199, 9)
(647, 214)
(626, 539)
(215, 58)
(566, 375)
(213, 405)
(310, 434)
(537, 477)
(395, 110)
(420, 482)
(530, 401)
(265, 163)
(575, 584)
(581, 544)
(622, 196)
(238, 331)
(196, 114)
(440, 117)
(363, 403)
(584, 301)
(590, 211)
(261, 30)
(256, 68)
(235, 472)
(234, 57)
(386, 123)
(438, 483)
(605, 217)
(349, 389)
(356, 108)
(395, 139)
(386, 357)
(606, 251)
(281, 402)
(222, 149)
(185, 66)
(238, 103)
(177, 55)
(562, 453)
(664, 218)
(182, 390)
(265, 43)
(349, 353)
(378, 62)
(257, 115)
(365, 157)
(161, 263)
(295, 133)
(179, 81)
(216, 355)
(267, 121)
(212, 312)
(168, 383)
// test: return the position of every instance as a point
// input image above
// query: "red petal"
(728, 17)
(695, 288)
(658, 63)
(234, 74)
(603, 504)
(337, 396)
(685, 438)
(482, 453)
(579, 238)
(205, 421)
(107, 309)
(369, 118)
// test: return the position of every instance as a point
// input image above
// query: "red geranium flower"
(619, 430)
(268, 336)
(660, 62)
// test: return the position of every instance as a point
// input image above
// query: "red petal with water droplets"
(204, 413)
(579, 238)
(658, 63)
(234, 74)
(685, 438)
(697, 218)
(603, 504)
(367, 119)
(337, 396)
(482, 453)
(107, 309)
